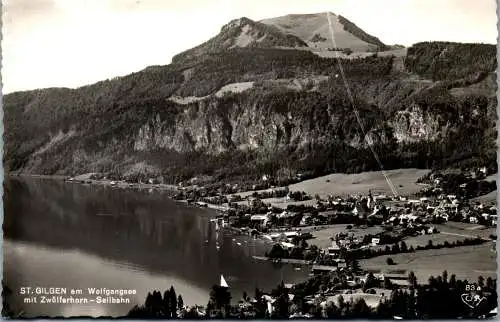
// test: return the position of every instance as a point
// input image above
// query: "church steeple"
(371, 202)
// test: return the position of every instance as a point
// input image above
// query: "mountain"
(307, 32)
(243, 32)
(271, 106)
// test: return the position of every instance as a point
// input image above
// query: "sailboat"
(223, 282)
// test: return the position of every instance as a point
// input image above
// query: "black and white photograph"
(264, 159)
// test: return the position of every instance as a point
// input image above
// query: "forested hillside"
(130, 124)
(450, 61)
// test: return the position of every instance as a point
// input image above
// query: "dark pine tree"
(282, 301)
(453, 281)
(480, 281)
(220, 299)
(445, 277)
(355, 267)
(260, 305)
(167, 309)
(384, 310)
(180, 302)
(489, 284)
(404, 247)
(173, 302)
(360, 310)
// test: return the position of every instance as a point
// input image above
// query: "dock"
(284, 260)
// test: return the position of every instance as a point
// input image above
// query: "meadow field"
(338, 184)
(437, 239)
(489, 198)
(466, 230)
(468, 262)
(322, 236)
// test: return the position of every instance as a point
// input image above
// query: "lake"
(77, 236)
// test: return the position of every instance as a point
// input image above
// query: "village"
(335, 236)
(332, 235)
(292, 218)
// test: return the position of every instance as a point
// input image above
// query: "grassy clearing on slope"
(487, 198)
(359, 183)
(404, 181)
(466, 262)
(491, 177)
(466, 230)
(437, 239)
(322, 236)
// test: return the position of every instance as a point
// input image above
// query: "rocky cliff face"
(415, 125)
(247, 124)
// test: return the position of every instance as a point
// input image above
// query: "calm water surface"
(69, 235)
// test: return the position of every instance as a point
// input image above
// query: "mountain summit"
(243, 32)
(314, 29)
(300, 31)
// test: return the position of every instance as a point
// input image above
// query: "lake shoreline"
(148, 241)
(121, 185)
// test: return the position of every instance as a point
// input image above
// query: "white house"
(409, 217)
(318, 205)
(260, 219)
(290, 234)
(287, 245)
(333, 250)
(284, 214)
(303, 221)
(381, 198)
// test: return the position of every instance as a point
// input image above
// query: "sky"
(71, 43)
